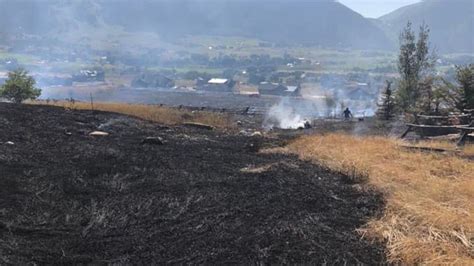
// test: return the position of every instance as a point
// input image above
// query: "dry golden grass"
(163, 115)
(429, 215)
(468, 150)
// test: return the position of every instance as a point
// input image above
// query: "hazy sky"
(375, 8)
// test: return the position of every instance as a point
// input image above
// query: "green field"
(141, 44)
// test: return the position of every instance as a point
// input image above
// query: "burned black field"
(200, 197)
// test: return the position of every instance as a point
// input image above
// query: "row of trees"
(419, 89)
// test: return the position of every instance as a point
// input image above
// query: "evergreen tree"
(386, 107)
(425, 88)
(461, 96)
(432, 96)
(414, 63)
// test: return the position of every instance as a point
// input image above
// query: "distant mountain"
(451, 23)
(47, 16)
(312, 22)
(325, 23)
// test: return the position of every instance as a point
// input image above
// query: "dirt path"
(202, 197)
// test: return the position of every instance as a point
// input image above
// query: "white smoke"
(284, 116)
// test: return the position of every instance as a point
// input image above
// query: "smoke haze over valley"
(320, 50)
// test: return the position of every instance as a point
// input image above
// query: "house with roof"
(218, 81)
(152, 80)
(278, 89)
(270, 88)
(293, 91)
(217, 85)
(246, 89)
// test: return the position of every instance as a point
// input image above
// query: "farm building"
(152, 80)
(246, 89)
(272, 88)
(278, 89)
(218, 85)
(217, 81)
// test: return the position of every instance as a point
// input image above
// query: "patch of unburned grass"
(159, 114)
(466, 151)
(429, 213)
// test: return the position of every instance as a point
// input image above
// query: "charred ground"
(201, 197)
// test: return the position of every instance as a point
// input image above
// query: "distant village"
(306, 84)
(245, 76)
(252, 82)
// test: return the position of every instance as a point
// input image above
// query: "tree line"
(419, 88)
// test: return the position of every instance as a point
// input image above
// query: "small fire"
(284, 116)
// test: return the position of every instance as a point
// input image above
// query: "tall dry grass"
(429, 215)
(163, 115)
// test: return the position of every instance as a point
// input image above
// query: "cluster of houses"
(308, 84)
(351, 90)
(57, 79)
(237, 87)
(147, 80)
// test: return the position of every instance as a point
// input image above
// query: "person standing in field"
(347, 114)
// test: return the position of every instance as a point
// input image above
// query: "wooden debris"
(198, 125)
(428, 149)
(443, 116)
(98, 134)
(432, 130)
(436, 126)
(449, 137)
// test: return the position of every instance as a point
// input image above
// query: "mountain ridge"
(320, 23)
(451, 23)
(323, 23)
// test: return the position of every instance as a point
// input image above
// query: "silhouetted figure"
(307, 124)
(347, 114)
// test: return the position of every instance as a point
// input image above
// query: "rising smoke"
(283, 115)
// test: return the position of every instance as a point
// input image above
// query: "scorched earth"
(200, 196)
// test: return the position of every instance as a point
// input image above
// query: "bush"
(19, 87)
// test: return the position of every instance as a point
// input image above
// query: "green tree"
(19, 87)
(415, 62)
(432, 95)
(461, 96)
(386, 107)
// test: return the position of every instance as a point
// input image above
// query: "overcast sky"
(375, 8)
